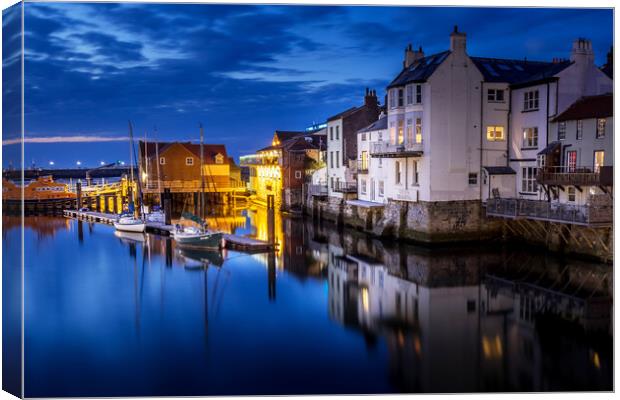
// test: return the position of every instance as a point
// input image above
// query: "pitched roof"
(381, 123)
(420, 70)
(517, 71)
(600, 106)
(286, 135)
(209, 150)
(551, 147)
(343, 114)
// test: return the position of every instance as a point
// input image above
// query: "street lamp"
(51, 162)
(102, 163)
(78, 163)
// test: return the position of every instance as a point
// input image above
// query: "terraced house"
(462, 132)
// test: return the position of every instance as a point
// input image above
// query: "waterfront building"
(342, 144)
(460, 131)
(282, 168)
(175, 166)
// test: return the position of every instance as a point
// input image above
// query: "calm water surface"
(330, 312)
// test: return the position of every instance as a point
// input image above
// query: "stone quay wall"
(459, 221)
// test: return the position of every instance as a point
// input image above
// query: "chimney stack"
(370, 99)
(411, 56)
(458, 41)
(582, 52)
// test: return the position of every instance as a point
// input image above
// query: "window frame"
(189, 164)
(600, 133)
(531, 100)
(162, 160)
(528, 180)
(530, 142)
(493, 96)
(562, 130)
(579, 129)
(492, 131)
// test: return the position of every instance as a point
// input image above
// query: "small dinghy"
(197, 237)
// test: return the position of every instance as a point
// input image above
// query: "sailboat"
(129, 222)
(198, 237)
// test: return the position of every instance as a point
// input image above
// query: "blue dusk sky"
(242, 70)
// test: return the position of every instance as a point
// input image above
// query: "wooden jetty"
(233, 242)
(244, 243)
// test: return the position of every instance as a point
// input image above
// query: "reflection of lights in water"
(492, 347)
(596, 360)
(417, 345)
(365, 300)
(401, 339)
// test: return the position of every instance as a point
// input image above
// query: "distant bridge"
(105, 171)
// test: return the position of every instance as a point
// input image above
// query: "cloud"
(66, 139)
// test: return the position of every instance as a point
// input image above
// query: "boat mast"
(202, 178)
(135, 157)
(157, 163)
(132, 197)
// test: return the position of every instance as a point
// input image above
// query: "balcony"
(575, 176)
(258, 160)
(390, 150)
(593, 214)
(317, 190)
(345, 187)
(361, 166)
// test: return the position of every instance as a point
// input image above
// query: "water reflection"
(357, 314)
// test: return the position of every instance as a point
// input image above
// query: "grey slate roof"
(517, 72)
(420, 70)
(381, 123)
(500, 170)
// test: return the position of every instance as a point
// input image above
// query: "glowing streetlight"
(102, 163)
(51, 162)
(78, 163)
(122, 162)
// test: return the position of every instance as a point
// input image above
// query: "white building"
(470, 128)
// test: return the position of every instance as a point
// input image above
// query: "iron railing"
(391, 149)
(548, 211)
(317, 189)
(345, 187)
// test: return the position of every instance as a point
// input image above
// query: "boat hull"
(209, 241)
(130, 227)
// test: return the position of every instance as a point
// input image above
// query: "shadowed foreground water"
(329, 313)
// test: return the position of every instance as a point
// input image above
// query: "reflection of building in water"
(42, 225)
(465, 322)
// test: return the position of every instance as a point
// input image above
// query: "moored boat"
(128, 223)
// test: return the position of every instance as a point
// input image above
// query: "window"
(364, 160)
(331, 182)
(530, 137)
(400, 97)
(571, 194)
(338, 159)
(363, 137)
(393, 98)
(418, 130)
(561, 130)
(162, 160)
(400, 131)
(397, 170)
(599, 160)
(600, 127)
(392, 132)
(297, 174)
(189, 161)
(363, 186)
(331, 159)
(409, 130)
(418, 94)
(337, 132)
(409, 94)
(579, 127)
(530, 100)
(541, 160)
(381, 188)
(219, 159)
(415, 173)
(331, 133)
(528, 180)
(495, 95)
(571, 160)
(472, 178)
(495, 133)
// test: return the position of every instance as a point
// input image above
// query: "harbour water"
(330, 312)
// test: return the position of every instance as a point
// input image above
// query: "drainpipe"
(481, 139)
(508, 116)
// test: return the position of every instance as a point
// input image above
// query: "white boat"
(156, 216)
(128, 223)
(131, 237)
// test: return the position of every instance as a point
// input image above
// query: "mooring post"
(167, 206)
(270, 219)
(78, 188)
